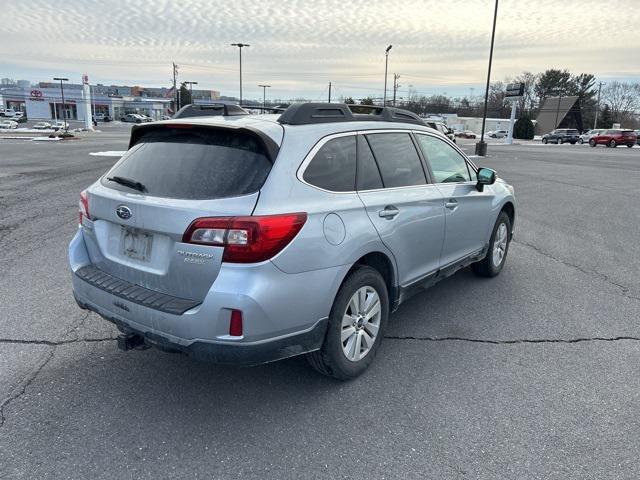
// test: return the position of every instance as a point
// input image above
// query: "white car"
(42, 126)
(8, 124)
(497, 134)
(586, 136)
(60, 126)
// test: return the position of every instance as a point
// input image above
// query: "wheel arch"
(385, 266)
(510, 209)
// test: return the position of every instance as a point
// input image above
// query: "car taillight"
(246, 239)
(83, 206)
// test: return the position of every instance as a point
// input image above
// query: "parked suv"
(586, 136)
(613, 138)
(132, 118)
(245, 239)
(562, 135)
(442, 128)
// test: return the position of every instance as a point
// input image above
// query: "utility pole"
(329, 92)
(64, 112)
(595, 122)
(395, 87)
(175, 88)
(264, 94)
(240, 45)
(481, 146)
(386, 63)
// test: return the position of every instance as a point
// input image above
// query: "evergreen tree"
(523, 128)
(605, 120)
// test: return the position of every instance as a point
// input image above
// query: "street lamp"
(64, 112)
(386, 63)
(191, 84)
(264, 94)
(240, 45)
(481, 146)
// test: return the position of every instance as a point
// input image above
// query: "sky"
(298, 46)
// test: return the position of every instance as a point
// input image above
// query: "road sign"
(514, 90)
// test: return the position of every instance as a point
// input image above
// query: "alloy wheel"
(500, 245)
(360, 323)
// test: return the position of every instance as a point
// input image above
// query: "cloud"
(299, 46)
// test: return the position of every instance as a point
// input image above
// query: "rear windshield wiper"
(127, 182)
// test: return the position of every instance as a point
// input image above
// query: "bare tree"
(623, 98)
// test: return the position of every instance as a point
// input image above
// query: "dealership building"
(46, 103)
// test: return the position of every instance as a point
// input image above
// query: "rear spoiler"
(270, 146)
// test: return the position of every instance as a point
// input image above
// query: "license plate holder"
(136, 244)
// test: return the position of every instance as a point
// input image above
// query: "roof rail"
(211, 109)
(310, 113)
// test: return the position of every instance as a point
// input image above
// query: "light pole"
(191, 84)
(386, 63)
(64, 112)
(481, 146)
(240, 45)
(264, 94)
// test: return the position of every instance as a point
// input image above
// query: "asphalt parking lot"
(533, 374)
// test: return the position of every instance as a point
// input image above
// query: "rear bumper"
(283, 314)
(240, 354)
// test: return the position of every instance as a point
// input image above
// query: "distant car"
(146, 118)
(638, 136)
(60, 125)
(442, 128)
(562, 135)
(586, 136)
(102, 117)
(20, 117)
(614, 137)
(497, 134)
(466, 134)
(7, 112)
(131, 118)
(166, 117)
(42, 126)
(8, 124)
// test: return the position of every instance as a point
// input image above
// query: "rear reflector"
(235, 324)
(83, 206)
(246, 239)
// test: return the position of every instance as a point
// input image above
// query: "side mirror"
(486, 176)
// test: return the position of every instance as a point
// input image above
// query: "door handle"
(389, 212)
(451, 204)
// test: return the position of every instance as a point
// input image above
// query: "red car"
(615, 137)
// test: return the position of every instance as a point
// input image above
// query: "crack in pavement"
(55, 343)
(21, 390)
(626, 291)
(512, 341)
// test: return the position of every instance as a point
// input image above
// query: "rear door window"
(397, 158)
(194, 163)
(333, 168)
(369, 177)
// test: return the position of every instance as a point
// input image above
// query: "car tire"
(340, 354)
(545, 141)
(592, 143)
(491, 265)
(560, 141)
(573, 143)
(580, 141)
(613, 143)
(630, 145)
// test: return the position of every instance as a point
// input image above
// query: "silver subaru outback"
(243, 239)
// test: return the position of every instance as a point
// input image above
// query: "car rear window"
(194, 164)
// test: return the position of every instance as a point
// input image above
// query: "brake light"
(83, 206)
(246, 239)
